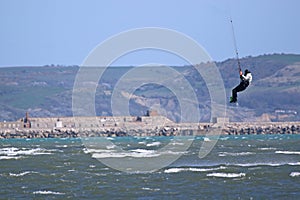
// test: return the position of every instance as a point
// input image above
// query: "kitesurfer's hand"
(241, 73)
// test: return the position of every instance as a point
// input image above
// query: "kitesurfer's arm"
(248, 77)
(241, 75)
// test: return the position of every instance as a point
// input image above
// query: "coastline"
(74, 127)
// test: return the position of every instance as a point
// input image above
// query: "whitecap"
(192, 169)
(294, 174)
(222, 154)
(288, 152)
(48, 192)
(111, 146)
(296, 163)
(153, 144)
(259, 164)
(143, 142)
(87, 151)
(177, 143)
(22, 173)
(136, 153)
(8, 150)
(61, 146)
(124, 154)
(224, 138)
(226, 175)
(266, 148)
(142, 151)
(174, 152)
(10, 157)
(37, 151)
(174, 170)
(13, 151)
(150, 189)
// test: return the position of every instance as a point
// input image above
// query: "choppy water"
(238, 167)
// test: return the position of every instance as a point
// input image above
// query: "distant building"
(220, 120)
(58, 124)
(151, 113)
(27, 123)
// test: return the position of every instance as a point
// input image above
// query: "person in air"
(245, 82)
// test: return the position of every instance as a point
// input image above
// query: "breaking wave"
(192, 169)
(48, 192)
(22, 173)
(222, 154)
(288, 152)
(294, 174)
(226, 175)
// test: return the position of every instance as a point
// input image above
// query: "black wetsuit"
(241, 87)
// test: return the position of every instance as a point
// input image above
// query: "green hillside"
(47, 91)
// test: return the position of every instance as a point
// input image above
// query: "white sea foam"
(294, 174)
(111, 146)
(146, 151)
(192, 169)
(153, 144)
(295, 163)
(48, 192)
(143, 142)
(259, 164)
(97, 151)
(177, 143)
(150, 189)
(288, 152)
(124, 154)
(13, 151)
(22, 173)
(8, 150)
(61, 146)
(266, 148)
(222, 154)
(135, 153)
(174, 152)
(226, 175)
(10, 157)
(224, 138)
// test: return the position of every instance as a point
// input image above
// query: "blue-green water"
(238, 167)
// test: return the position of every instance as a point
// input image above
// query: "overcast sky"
(42, 32)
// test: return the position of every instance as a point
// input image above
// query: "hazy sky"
(41, 32)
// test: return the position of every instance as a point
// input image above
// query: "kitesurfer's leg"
(237, 89)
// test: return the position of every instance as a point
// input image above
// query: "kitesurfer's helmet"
(247, 71)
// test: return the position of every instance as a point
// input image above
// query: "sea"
(235, 167)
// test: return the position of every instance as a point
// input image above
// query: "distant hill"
(47, 91)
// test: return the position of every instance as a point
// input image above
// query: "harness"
(244, 82)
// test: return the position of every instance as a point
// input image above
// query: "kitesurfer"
(245, 82)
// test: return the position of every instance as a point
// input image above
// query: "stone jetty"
(248, 128)
(62, 127)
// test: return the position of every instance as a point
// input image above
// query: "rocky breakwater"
(59, 133)
(90, 132)
(245, 128)
(123, 128)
